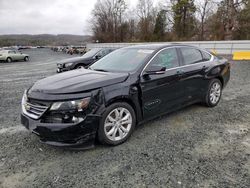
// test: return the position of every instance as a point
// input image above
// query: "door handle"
(204, 67)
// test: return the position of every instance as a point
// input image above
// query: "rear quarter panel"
(220, 68)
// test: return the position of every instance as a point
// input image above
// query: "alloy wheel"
(117, 124)
(215, 93)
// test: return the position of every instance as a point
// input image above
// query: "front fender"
(123, 93)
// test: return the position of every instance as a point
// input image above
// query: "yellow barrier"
(243, 55)
(214, 52)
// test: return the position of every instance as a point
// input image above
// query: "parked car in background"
(83, 61)
(127, 87)
(70, 49)
(13, 55)
(76, 50)
(81, 50)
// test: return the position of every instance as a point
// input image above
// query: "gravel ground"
(194, 147)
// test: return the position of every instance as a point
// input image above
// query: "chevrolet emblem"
(27, 107)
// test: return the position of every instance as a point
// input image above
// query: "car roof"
(158, 46)
(4, 51)
(109, 48)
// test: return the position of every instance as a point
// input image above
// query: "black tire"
(208, 101)
(8, 60)
(26, 58)
(102, 137)
(80, 66)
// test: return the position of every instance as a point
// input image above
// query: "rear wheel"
(26, 58)
(214, 92)
(117, 124)
(8, 60)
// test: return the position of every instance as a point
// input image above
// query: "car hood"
(76, 81)
(73, 60)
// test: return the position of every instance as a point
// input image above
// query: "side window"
(105, 52)
(191, 55)
(12, 52)
(206, 56)
(167, 58)
(100, 53)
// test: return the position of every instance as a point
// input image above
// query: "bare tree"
(107, 20)
(147, 16)
(205, 8)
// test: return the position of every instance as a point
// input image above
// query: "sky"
(47, 16)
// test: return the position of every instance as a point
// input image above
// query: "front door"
(13, 55)
(162, 92)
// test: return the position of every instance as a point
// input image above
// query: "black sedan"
(83, 61)
(127, 87)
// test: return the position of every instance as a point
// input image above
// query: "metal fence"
(221, 47)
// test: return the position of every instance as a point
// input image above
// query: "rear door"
(19, 55)
(195, 63)
(162, 92)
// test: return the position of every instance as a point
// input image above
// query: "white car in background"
(13, 55)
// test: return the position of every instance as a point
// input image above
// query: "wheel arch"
(221, 80)
(128, 101)
(79, 64)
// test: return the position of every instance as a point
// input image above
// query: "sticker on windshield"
(145, 51)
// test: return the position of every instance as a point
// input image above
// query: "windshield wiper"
(102, 70)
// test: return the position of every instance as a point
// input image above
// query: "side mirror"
(154, 69)
(97, 56)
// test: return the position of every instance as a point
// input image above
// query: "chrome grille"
(60, 65)
(34, 111)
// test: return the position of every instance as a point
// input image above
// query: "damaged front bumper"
(79, 135)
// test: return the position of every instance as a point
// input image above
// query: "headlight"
(24, 99)
(68, 64)
(77, 105)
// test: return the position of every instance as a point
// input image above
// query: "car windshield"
(122, 60)
(91, 53)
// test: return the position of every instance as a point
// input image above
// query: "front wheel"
(8, 60)
(117, 124)
(214, 92)
(80, 67)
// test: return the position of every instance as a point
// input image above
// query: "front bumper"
(3, 58)
(81, 135)
(62, 68)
